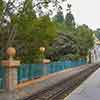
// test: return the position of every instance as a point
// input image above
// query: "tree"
(78, 43)
(85, 39)
(64, 44)
(27, 27)
(26, 32)
(36, 32)
(59, 17)
(28, 9)
(66, 24)
(97, 33)
(17, 14)
(69, 19)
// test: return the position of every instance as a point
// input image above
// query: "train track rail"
(61, 90)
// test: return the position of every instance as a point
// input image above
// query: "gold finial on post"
(11, 52)
(42, 49)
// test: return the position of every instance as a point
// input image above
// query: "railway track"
(61, 90)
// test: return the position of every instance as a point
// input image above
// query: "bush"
(70, 57)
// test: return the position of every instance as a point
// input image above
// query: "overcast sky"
(86, 12)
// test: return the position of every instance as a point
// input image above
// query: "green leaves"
(69, 21)
(84, 37)
(31, 32)
(45, 29)
(59, 17)
(28, 9)
(34, 33)
(2, 6)
(72, 40)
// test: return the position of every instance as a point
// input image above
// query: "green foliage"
(28, 9)
(61, 27)
(84, 37)
(1, 7)
(73, 40)
(64, 25)
(59, 17)
(64, 44)
(69, 21)
(97, 33)
(46, 29)
(28, 33)
(70, 57)
(36, 33)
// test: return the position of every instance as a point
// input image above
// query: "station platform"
(88, 90)
(31, 87)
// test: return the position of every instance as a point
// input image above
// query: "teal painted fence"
(31, 71)
(2, 75)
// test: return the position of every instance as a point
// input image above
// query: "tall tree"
(85, 39)
(32, 31)
(28, 9)
(59, 17)
(80, 42)
(69, 19)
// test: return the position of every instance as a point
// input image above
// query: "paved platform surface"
(43, 83)
(89, 90)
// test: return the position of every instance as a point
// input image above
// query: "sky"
(86, 12)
